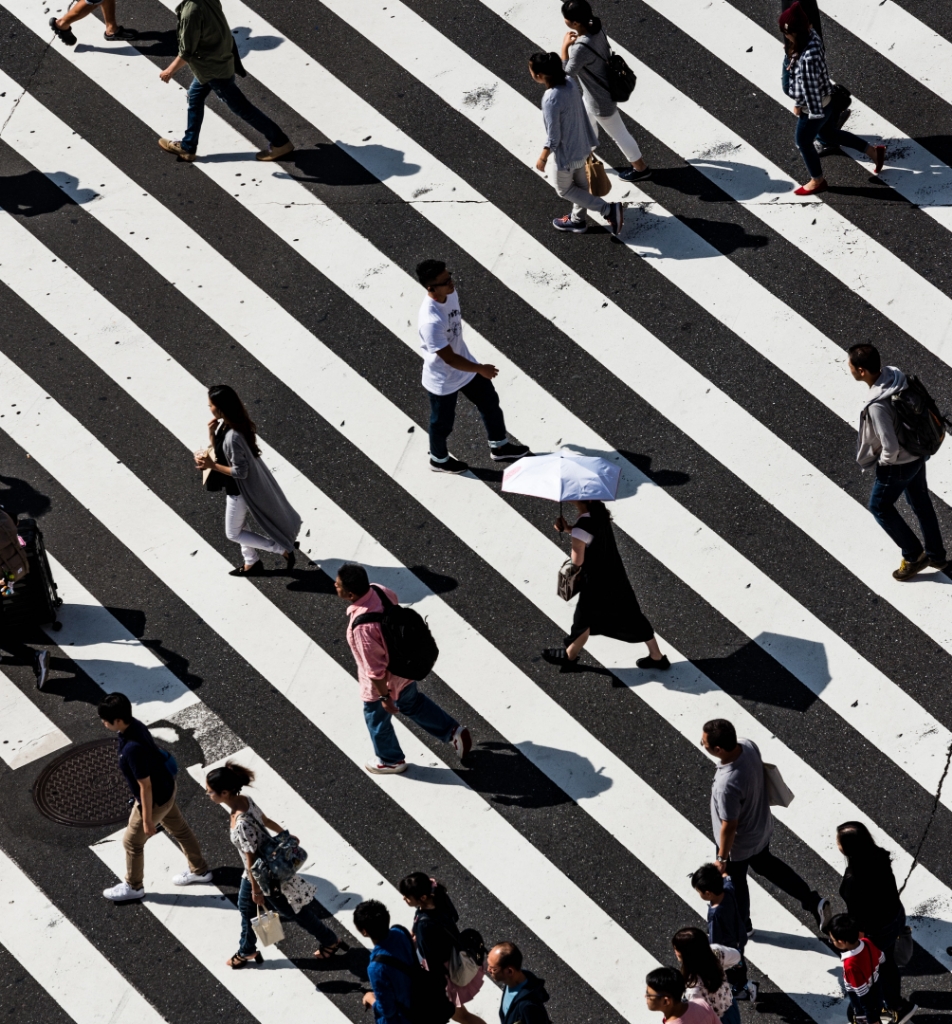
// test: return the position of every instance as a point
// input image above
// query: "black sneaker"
(508, 452)
(616, 218)
(120, 35)
(65, 34)
(630, 174)
(41, 667)
(649, 662)
(451, 465)
(559, 656)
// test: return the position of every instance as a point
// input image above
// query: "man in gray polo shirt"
(743, 824)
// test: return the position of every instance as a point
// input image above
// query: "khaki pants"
(177, 827)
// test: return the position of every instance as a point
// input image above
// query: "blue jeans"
(732, 1016)
(909, 479)
(824, 127)
(228, 92)
(482, 394)
(427, 714)
(309, 918)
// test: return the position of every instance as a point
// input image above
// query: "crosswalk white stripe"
(57, 954)
(438, 799)
(760, 608)
(203, 921)
(26, 734)
(900, 37)
(914, 172)
(814, 227)
(509, 701)
(666, 243)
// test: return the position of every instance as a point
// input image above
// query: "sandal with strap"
(326, 952)
(120, 34)
(238, 960)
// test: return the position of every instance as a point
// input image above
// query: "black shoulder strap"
(393, 961)
(598, 78)
(383, 597)
(365, 618)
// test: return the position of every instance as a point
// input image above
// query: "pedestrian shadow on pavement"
(248, 42)
(327, 164)
(651, 233)
(32, 194)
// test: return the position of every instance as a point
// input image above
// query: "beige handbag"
(599, 184)
(568, 579)
(206, 473)
(268, 927)
(462, 968)
(779, 794)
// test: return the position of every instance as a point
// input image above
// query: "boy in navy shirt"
(725, 923)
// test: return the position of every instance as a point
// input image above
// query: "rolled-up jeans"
(226, 89)
(309, 918)
(907, 478)
(427, 714)
(573, 185)
(809, 128)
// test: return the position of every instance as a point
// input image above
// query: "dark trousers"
(885, 939)
(228, 92)
(869, 1006)
(824, 127)
(309, 918)
(482, 394)
(909, 479)
(774, 870)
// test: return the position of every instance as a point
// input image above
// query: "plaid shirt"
(809, 78)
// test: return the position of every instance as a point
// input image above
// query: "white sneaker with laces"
(462, 741)
(123, 891)
(188, 877)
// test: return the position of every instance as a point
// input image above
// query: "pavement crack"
(26, 88)
(932, 814)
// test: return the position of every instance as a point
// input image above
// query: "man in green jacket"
(206, 45)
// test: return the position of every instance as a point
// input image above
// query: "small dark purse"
(211, 480)
(840, 99)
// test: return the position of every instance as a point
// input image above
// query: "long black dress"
(607, 604)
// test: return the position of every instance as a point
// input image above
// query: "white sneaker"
(462, 741)
(382, 768)
(41, 667)
(188, 877)
(123, 891)
(752, 989)
(824, 912)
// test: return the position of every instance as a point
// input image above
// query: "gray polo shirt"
(739, 792)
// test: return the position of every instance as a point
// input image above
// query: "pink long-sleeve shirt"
(370, 649)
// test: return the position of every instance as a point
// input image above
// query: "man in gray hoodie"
(897, 471)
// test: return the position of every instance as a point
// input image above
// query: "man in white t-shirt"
(449, 368)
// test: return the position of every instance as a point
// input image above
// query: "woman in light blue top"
(570, 138)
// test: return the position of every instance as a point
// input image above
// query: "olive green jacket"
(205, 40)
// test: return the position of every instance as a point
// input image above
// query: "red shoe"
(804, 191)
(880, 158)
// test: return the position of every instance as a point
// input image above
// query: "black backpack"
(621, 80)
(429, 1003)
(920, 427)
(410, 644)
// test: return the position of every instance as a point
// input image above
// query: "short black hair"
(666, 981)
(511, 956)
(866, 357)
(113, 706)
(372, 917)
(428, 271)
(843, 928)
(721, 733)
(354, 578)
(708, 878)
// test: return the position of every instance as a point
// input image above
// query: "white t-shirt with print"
(441, 324)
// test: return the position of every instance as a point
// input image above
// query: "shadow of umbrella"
(33, 194)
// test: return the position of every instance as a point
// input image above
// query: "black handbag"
(840, 99)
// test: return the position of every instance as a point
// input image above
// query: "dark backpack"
(410, 644)
(429, 1003)
(620, 79)
(14, 564)
(920, 427)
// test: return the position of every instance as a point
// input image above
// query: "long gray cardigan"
(266, 501)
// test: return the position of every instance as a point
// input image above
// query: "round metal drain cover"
(84, 787)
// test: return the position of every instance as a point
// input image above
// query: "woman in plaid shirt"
(810, 88)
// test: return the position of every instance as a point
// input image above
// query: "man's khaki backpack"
(13, 561)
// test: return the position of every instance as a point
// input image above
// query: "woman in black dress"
(872, 899)
(607, 605)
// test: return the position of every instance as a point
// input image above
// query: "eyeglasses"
(443, 284)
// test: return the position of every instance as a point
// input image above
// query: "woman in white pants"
(569, 138)
(248, 484)
(585, 54)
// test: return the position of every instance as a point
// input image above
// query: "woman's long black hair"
(226, 401)
(699, 963)
(549, 65)
(598, 510)
(859, 847)
(580, 11)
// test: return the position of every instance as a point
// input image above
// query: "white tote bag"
(462, 967)
(779, 794)
(268, 927)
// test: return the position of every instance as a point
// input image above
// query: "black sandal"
(65, 35)
(239, 960)
(257, 569)
(326, 952)
(560, 656)
(120, 34)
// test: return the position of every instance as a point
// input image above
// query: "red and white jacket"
(861, 967)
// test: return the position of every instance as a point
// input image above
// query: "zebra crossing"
(584, 809)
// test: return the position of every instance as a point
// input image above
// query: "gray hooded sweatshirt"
(877, 441)
(266, 501)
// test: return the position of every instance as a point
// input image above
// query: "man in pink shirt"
(383, 693)
(664, 994)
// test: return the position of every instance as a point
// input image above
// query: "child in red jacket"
(861, 960)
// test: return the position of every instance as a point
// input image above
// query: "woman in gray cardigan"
(585, 54)
(570, 138)
(248, 484)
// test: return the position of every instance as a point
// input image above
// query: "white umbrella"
(563, 476)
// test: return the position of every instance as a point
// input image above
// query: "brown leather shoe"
(907, 570)
(275, 152)
(171, 146)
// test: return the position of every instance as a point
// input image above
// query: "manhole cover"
(84, 787)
